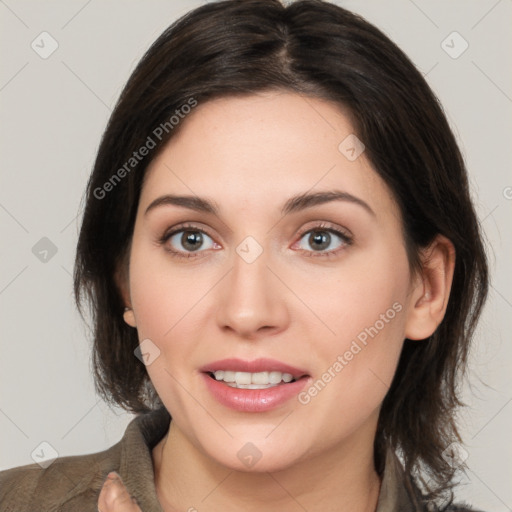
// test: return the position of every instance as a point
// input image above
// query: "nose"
(251, 300)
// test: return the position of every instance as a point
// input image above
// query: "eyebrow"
(292, 205)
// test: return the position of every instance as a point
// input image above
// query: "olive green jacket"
(73, 484)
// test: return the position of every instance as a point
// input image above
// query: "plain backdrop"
(53, 111)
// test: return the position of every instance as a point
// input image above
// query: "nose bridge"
(252, 297)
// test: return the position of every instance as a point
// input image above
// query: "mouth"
(257, 385)
(258, 380)
(262, 373)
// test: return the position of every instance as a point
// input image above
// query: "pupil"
(321, 238)
(192, 240)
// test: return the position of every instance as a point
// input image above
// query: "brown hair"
(318, 49)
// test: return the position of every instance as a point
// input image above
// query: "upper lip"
(256, 366)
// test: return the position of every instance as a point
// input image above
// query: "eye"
(323, 241)
(190, 241)
(187, 240)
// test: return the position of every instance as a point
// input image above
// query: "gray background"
(53, 113)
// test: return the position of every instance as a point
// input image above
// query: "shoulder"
(69, 483)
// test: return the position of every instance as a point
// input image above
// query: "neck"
(343, 479)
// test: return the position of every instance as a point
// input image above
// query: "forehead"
(262, 148)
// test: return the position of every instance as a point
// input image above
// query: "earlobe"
(429, 297)
(121, 278)
(129, 317)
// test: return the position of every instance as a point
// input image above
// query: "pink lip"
(258, 365)
(253, 400)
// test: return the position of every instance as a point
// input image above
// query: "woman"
(281, 254)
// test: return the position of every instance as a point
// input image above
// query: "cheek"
(365, 310)
(160, 293)
(355, 369)
(155, 307)
(169, 302)
(163, 303)
(366, 292)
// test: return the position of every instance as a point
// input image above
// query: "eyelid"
(184, 227)
(326, 226)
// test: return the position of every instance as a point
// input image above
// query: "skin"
(250, 155)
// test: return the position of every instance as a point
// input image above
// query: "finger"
(114, 496)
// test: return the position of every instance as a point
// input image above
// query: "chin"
(260, 456)
(269, 464)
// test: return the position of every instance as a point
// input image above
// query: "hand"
(115, 498)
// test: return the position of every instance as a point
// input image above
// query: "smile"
(253, 386)
(246, 380)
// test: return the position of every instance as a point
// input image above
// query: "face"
(319, 289)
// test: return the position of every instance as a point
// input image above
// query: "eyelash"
(322, 227)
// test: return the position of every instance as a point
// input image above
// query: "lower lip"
(253, 400)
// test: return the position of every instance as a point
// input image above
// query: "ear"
(431, 289)
(121, 278)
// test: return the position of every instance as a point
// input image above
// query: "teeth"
(228, 376)
(243, 378)
(287, 377)
(274, 377)
(250, 386)
(246, 380)
(260, 378)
